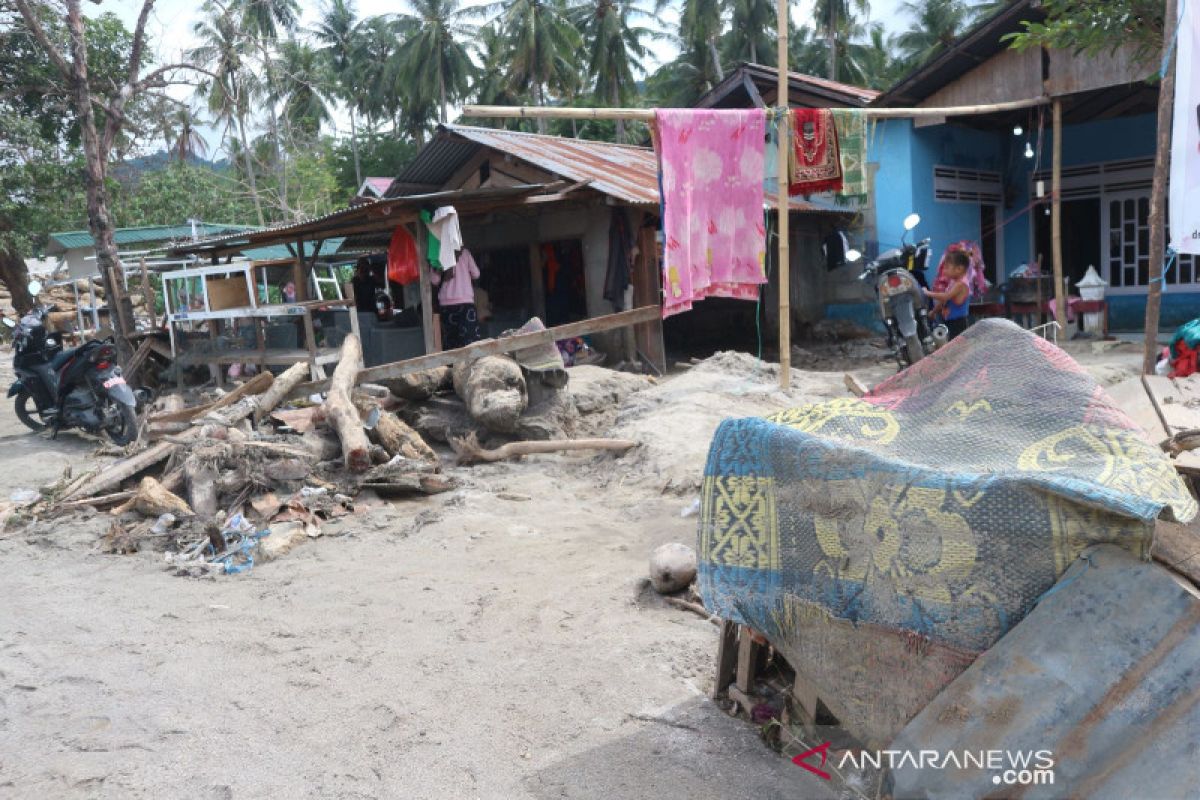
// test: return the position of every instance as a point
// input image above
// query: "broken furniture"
(230, 293)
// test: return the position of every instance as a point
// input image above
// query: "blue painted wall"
(904, 184)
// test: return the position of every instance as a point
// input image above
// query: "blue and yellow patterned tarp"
(941, 505)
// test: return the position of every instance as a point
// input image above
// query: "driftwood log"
(469, 450)
(153, 499)
(340, 410)
(494, 391)
(393, 433)
(279, 390)
(201, 475)
(111, 476)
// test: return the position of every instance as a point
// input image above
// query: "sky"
(170, 30)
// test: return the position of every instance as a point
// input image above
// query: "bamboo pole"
(1060, 300)
(783, 207)
(1158, 195)
(647, 114)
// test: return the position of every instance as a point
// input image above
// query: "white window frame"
(1109, 181)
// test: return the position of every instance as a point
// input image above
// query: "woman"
(460, 322)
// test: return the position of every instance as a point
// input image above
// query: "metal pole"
(782, 264)
(1158, 195)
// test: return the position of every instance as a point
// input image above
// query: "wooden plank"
(1171, 401)
(310, 344)
(1130, 396)
(747, 660)
(491, 347)
(648, 336)
(276, 356)
(726, 659)
(139, 357)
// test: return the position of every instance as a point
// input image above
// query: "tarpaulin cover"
(941, 504)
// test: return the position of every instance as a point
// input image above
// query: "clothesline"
(647, 114)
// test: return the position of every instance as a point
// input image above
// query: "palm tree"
(303, 78)
(186, 141)
(337, 31)
(699, 29)
(222, 50)
(435, 60)
(832, 18)
(872, 61)
(751, 34)
(615, 49)
(376, 55)
(265, 18)
(492, 85)
(542, 48)
(936, 24)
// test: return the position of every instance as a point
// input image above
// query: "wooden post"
(784, 261)
(310, 344)
(148, 294)
(1060, 299)
(1158, 195)
(298, 271)
(432, 343)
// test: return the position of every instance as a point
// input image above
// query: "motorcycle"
(79, 388)
(898, 277)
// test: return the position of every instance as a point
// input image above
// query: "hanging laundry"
(851, 127)
(445, 226)
(835, 247)
(616, 280)
(402, 266)
(976, 275)
(711, 168)
(815, 165)
(433, 245)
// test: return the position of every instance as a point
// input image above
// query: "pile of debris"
(253, 472)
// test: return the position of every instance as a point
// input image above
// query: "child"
(953, 302)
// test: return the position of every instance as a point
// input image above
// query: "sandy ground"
(495, 642)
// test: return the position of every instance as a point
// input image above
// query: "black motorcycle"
(79, 388)
(898, 277)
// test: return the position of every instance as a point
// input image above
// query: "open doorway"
(504, 283)
(563, 281)
(1080, 238)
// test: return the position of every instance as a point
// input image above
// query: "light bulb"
(1018, 130)
(1028, 150)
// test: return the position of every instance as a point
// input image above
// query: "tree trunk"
(273, 123)
(340, 410)
(716, 58)
(616, 102)
(354, 146)
(1158, 196)
(15, 277)
(832, 37)
(541, 101)
(249, 162)
(442, 91)
(95, 171)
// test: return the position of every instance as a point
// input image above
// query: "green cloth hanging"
(851, 124)
(433, 250)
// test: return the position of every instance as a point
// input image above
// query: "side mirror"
(912, 221)
(35, 288)
(852, 256)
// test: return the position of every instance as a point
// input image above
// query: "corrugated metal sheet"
(1104, 674)
(149, 234)
(624, 172)
(378, 185)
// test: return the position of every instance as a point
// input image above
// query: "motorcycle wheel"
(124, 430)
(914, 349)
(30, 419)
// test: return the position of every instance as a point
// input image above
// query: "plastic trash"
(313, 491)
(24, 496)
(691, 510)
(163, 524)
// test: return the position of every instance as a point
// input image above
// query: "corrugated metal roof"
(309, 229)
(148, 234)
(624, 172)
(1101, 674)
(378, 186)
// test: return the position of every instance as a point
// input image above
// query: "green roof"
(149, 234)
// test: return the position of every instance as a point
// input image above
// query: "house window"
(961, 185)
(1128, 246)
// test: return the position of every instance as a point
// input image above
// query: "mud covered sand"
(495, 642)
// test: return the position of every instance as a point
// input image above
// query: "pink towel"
(712, 186)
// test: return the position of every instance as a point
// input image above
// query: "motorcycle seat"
(62, 358)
